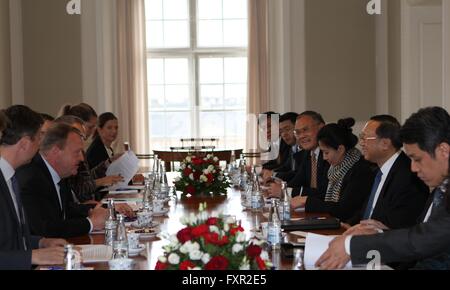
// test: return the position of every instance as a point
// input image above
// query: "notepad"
(95, 253)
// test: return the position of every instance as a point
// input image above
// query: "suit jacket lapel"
(40, 162)
(391, 174)
(13, 214)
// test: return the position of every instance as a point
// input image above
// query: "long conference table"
(184, 206)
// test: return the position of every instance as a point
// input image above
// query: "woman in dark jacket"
(100, 149)
(350, 175)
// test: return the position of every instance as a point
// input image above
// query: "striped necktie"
(313, 170)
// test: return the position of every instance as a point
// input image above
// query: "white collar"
(388, 164)
(55, 176)
(317, 152)
(7, 170)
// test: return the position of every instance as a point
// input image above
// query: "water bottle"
(285, 212)
(72, 258)
(274, 231)
(120, 245)
(298, 260)
(110, 224)
(155, 163)
(257, 199)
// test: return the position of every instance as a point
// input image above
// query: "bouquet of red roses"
(212, 243)
(201, 176)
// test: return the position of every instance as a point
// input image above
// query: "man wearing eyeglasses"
(290, 156)
(398, 196)
(311, 176)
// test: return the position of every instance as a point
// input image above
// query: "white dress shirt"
(8, 173)
(385, 169)
(56, 179)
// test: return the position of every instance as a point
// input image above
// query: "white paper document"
(126, 166)
(95, 253)
(315, 246)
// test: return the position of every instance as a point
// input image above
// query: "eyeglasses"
(364, 138)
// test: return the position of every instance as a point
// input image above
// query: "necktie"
(16, 189)
(370, 204)
(313, 170)
(20, 213)
(438, 200)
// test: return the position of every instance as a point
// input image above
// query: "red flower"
(260, 263)
(212, 221)
(187, 265)
(210, 177)
(200, 230)
(253, 251)
(190, 189)
(184, 235)
(197, 175)
(160, 266)
(197, 161)
(217, 263)
(213, 238)
(187, 171)
(233, 231)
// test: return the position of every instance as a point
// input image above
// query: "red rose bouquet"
(201, 176)
(212, 243)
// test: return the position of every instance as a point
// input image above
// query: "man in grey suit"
(426, 139)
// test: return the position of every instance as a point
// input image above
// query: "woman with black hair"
(350, 176)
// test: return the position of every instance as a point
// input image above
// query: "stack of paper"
(315, 246)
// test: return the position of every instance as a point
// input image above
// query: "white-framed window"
(197, 71)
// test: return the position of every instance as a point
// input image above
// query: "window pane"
(209, 9)
(211, 96)
(235, 124)
(235, 33)
(211, 71)
(156, 95)
(176, 34)
(177, 97)
(155, 36)
(157, 124)
(235, 96)
(235, 70)
(176, 9)
(178, 124)
(235, 9)
(210, 33)
(176, 71)
(155, 71)
(211, 124)
(153, 9)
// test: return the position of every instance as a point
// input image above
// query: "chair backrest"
(171, 157)
(196, 142)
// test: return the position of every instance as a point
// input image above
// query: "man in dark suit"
(398, 196)
(311, 176)
(288, 161)
(20, 139)
(426, 139)
(46, 194)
